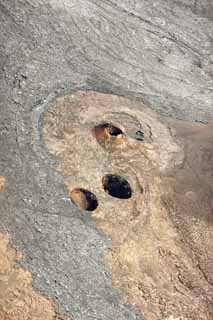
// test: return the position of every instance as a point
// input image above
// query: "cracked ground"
(106, 171)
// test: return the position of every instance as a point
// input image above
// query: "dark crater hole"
(113, 131)
(84, 199)
(106, 129)
(117, 186)
(139, 135)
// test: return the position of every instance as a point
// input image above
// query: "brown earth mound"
(153, 183)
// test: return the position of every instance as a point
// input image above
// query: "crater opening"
(84, 199)
(139, 135)
(117, 186)
(113, 131)
(107, 132)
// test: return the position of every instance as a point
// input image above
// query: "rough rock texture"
(18, 299)
(159, 51)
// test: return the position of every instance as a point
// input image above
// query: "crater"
(84, 199)
(108, 134)
(117, 186)
(139, 135)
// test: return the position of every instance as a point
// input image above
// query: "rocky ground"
(148, 253)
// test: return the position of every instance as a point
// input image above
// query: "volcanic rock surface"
(73, 261)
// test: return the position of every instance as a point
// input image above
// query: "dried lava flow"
(130, 161)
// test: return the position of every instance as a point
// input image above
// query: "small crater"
(107, 134)
(117, 186)
(84, 199)
(139, 135)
